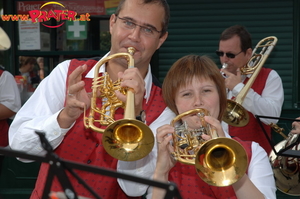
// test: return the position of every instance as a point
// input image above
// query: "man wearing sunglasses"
(265, 97)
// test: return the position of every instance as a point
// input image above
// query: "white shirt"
(40, 113)
(9, 92)
(260, 171)
(269, 103)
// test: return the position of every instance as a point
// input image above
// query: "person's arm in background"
(40, 113)
(40, 61)
(269, 102)
(10, 101)
(5, 112)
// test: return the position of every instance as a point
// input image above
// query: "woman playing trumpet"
(195, 82)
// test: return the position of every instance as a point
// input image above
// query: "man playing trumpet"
(57, 106)
(265, 97)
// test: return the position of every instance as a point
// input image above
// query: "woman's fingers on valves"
(215, 125)
(164, 134)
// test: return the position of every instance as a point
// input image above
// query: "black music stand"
(287, 151)
(58, 168)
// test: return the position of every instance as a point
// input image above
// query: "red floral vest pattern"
(85, 146)
(252, 131)
(3, 128)
(191, 186)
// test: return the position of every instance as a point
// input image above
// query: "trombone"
(126, 139)
(235, 114)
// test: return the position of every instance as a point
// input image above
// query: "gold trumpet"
(126, 139)
(219, 161)
(235, 114)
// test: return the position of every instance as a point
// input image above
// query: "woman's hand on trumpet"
(76, 99)
(214, 125)
(165, 161)
(132, 78)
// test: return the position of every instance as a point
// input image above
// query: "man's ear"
(249, 53)
(162, 40)
(112, 21)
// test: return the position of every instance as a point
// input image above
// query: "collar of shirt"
(148, 78)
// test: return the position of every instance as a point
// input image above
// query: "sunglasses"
(229, 55)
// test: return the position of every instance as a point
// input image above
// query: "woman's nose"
(198, 101)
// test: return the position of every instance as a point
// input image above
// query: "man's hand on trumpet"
(132, 79)
(232, 79)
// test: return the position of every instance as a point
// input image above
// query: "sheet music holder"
(287, 151)
(58, 168)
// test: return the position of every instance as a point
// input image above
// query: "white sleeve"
(40, 113)
(145, 167)
(269, 102)
(9, 92)
(260, 172)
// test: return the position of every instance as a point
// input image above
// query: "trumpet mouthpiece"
(131, 50)
(224, 65)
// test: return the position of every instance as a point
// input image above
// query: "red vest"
(85, 146)
(3, 128)
(252, 131)
(192, 186)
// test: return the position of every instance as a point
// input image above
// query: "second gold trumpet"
(219, 161)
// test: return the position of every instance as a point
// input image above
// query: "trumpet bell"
(236, 114)
(221, 162)
(128, 140)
